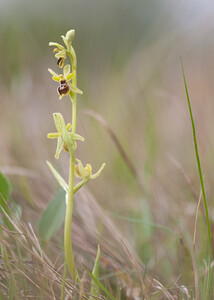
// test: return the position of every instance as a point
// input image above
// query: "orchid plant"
(66, 139)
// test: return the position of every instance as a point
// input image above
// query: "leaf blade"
(94, 287)
(58, 177)
(53, 216)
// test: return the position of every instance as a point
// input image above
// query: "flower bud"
(60, 62)
(65, 147)
(70, 36)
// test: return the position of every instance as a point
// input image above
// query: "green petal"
(59, 147)
(56, 78)
(54, 135)
(74, 89)
(68, 126)
(70, 76)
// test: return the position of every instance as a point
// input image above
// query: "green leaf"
(99, 284)
(94, 287)
(58, 177)
(5, 191)
(53, 216)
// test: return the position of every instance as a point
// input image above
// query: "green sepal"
(60, 54)
(81, 184)
(58, 177)
(56, 45)
(75, 136)
(59, 147)
(74, 88)
(59, 121)
(52, 72)
(64, 40)
(55, 76)
(98, 172)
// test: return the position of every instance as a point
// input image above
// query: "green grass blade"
(63, 282)
(99, 284)
(141, 221)
(202, 183)
(5, 191)
(94, 287)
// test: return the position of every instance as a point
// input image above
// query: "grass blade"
(5, 191)
(94, 287)
(202, 183)
(99, 284)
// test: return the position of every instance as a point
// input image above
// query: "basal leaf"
(53, 216)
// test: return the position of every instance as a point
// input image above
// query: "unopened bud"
(70, 35)
(65, 147)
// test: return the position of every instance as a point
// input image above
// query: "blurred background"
(129, 70)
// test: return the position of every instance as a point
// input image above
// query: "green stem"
(68, 220)
(69, 208)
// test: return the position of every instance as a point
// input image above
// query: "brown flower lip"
(64, 88)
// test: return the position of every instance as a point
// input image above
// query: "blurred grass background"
(129, 69)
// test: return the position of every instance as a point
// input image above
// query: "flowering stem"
(68, 219)
(70, 198)
(66, 140)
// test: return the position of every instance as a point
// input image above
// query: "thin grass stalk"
(202, 184)
(194, 250)
(63, 282)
